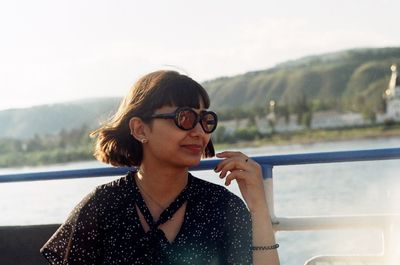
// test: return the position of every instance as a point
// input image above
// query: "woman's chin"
(192, 162)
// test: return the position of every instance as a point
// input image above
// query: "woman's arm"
(263, 235)
(248, 175)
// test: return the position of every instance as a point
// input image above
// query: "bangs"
(178, 90)
(184, 96)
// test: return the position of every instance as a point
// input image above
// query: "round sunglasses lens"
(187, 119)
(208, 122)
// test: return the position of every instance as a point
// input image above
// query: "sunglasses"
(186, 119)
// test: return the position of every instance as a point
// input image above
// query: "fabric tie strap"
(154, 241)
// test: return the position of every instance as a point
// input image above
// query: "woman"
(159, 213)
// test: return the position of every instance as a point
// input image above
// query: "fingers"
(232, 161)
(248, 175)
(237, 165)
(226, 154)
(237, 175)
(230, 165)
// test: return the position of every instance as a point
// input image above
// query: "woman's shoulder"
(110, 193)
(117, 184)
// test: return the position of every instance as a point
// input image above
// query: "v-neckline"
(174, 206)
(180, 232)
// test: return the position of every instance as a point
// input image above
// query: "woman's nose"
(198, 130)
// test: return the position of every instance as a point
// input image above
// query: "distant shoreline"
(320, 135)
(57, 156)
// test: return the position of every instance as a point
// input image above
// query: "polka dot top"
(104, 228)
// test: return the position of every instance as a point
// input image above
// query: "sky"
(59, 51)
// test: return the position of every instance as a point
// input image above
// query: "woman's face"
(167, 144)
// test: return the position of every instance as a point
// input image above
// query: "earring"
(144, 140)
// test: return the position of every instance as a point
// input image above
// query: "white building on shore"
(392, 96)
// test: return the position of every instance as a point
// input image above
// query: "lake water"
(306, 190)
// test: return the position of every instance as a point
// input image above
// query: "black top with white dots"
(104, 228)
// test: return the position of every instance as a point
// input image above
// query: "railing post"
(269, 189)
(390, 240)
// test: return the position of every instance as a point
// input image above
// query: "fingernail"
(220, 175)
(215, 168)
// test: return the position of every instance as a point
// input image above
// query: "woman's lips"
(193, 148)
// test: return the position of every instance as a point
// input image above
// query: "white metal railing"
(382, 222)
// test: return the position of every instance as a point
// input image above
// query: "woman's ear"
(137, 127)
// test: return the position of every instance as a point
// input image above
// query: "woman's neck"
(163, 184)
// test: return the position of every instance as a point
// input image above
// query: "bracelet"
(265, 247)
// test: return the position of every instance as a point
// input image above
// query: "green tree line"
(65, 146)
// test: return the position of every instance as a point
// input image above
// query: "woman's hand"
(248, 175)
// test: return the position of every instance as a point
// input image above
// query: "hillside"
(51, 119)
(352, 79)
(343, 80)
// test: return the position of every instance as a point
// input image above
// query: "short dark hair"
(114, 143)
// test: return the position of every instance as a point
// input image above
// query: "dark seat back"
(21, 244)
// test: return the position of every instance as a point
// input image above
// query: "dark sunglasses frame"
(198, 118)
